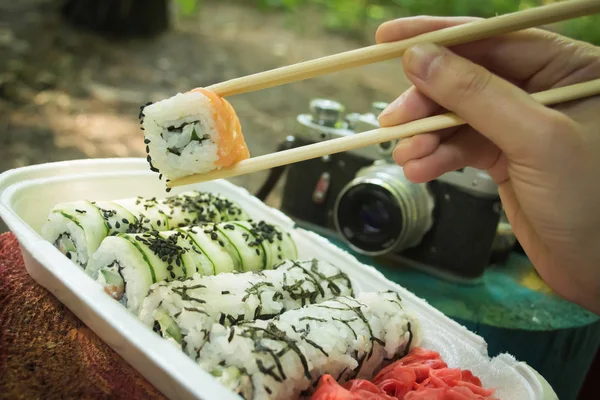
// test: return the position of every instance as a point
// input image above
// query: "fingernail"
(421, 58)
(392, 106)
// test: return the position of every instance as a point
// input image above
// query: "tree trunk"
(121, 18)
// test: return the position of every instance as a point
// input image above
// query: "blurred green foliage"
(353, 16)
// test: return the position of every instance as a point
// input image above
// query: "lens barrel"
(380, 211)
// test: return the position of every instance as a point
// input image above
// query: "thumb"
(502, 112)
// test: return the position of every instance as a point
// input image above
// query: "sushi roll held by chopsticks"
(191, 133)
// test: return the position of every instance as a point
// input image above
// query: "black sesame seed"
(172, 275)
(68, 254)
(117, 225)
(146, 141)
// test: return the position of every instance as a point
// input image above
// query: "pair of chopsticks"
(469, 32)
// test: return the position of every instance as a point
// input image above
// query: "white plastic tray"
(27, 194)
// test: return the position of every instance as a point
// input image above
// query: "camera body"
(446, 226)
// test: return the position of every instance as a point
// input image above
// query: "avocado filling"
(166, 327)
(65, 244)
(178, 138)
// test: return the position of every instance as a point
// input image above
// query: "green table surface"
(511, 295)
(515, 312)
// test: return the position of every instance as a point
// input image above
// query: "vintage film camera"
(447, 226)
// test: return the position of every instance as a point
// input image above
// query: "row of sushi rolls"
(230, 292)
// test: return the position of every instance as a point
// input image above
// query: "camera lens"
(381, 211)
(370, 217)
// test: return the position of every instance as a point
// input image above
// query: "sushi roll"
(283, 358)
(191, 133)
(78, 228)
(183, 312)
(127, 265)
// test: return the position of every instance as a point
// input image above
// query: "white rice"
(76, 229)
(310, 341)
(119, 255)
(195, 156)
(241, 297)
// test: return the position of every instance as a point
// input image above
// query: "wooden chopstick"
(469, 32)
(375, 136)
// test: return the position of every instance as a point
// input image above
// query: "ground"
(67, 94)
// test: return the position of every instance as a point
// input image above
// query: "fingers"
(519, 56)
(404, 28)
(411, 105)
(416, 147)
(464, 148)
(421, 145)
(502, 112)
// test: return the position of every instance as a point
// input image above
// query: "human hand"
(546, 161)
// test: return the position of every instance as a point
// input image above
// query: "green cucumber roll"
(184, 311)
(78, 228)
(253, 245)
(283, 358)
(277, 245)
(128, 264)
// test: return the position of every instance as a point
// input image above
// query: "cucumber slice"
(118, 218)
(122, 255)
(167, 328)
(222, 240)
(219, 256)
(76, 229)
(149, 261)
(164, 254)
(149, 215)
(253, 242)
(251, 252)
(278, 245)
(196, 258)
(288, 248)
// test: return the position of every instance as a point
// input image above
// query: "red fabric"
(421, 375)
(47, 352)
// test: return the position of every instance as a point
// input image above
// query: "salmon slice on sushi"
(192, 133)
